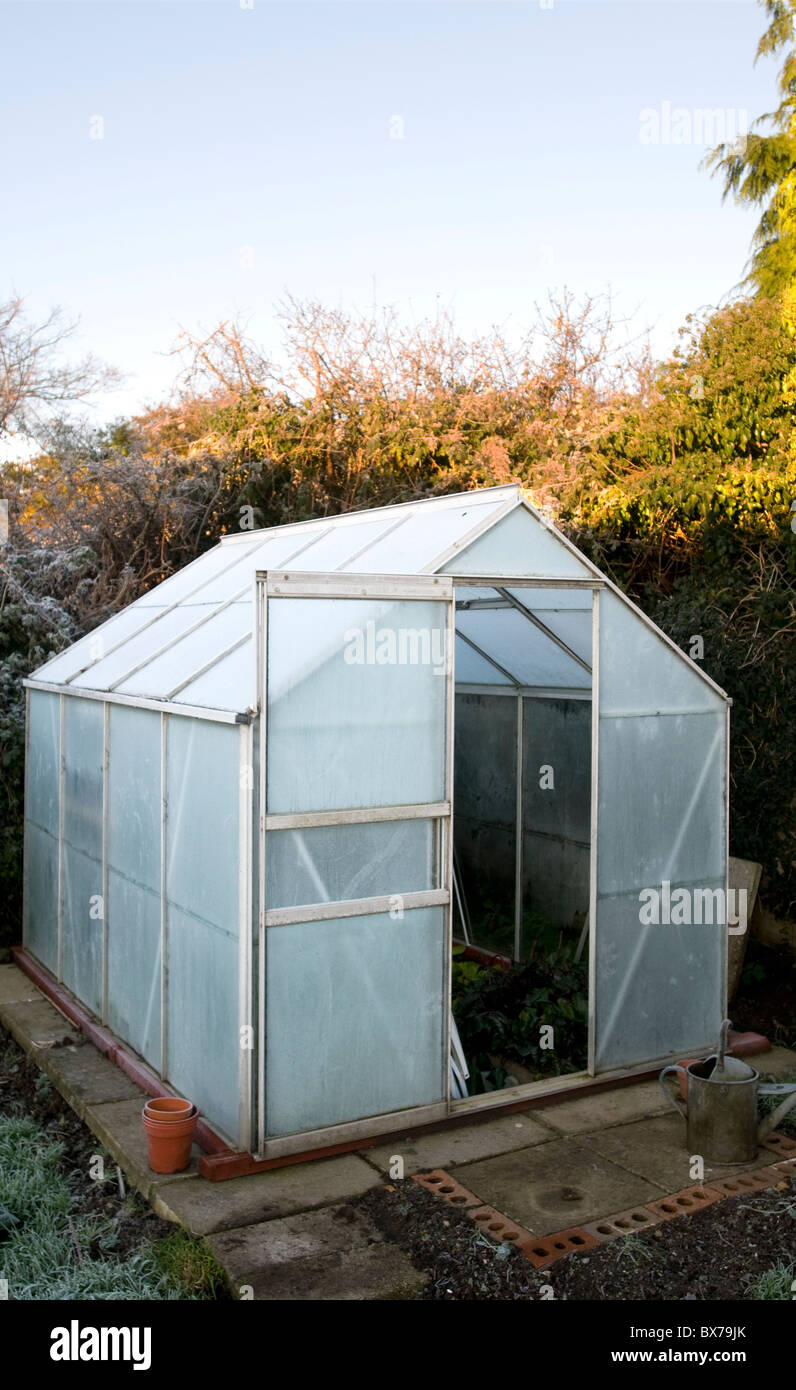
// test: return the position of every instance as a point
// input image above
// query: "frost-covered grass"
(48, 1248)
(777, 1283)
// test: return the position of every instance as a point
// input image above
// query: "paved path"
(290, 1233)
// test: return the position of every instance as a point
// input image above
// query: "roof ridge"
(360, 514)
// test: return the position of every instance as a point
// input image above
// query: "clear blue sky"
(248, 152)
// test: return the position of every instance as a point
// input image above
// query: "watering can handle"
(681, 1110)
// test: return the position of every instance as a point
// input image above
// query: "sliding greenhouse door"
(355, 781)
(659, 941)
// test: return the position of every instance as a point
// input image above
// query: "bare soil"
(710, 1255)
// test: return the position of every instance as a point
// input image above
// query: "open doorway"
(522, 831)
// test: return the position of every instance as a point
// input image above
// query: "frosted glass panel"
(197, 574)
(202, 818)
(188, 655)
(356, 703)
(485, 798)
(133, 907)
(521, 546)
(658, 988)
(639, 672)
(474, 669)
(41, 829)
(330, 552)
(557, 735)
(661, 787)
(270, 554)
(83, 735)
(41, 801)
(204, 1045)
(134, 794)
(202, 911)
(557, 817)
(81, 939)
(544, 601)
(227, 685)
(81, 936)
(340, 862)
(571, 626)
(134, 965)
(520, 648)
(661, 849)
(421, 538)
(164, 630)
(41, 900)
(354, 1012)
(89, 649)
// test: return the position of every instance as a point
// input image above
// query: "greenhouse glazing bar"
(532, 618)
(217, 716)
(246, 1039)
(595, 773)
(518, 835)
(531, 692)
(358, 815)
(164, 914)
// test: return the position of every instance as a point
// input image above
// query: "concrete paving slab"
(35, 1024)
(118, 1126)
(84, 1077)
(656, 1149)
(448, 1148)
(335, 1254)
(15, 986)
(557, 1185)
(606, 1108)
(218, 1206)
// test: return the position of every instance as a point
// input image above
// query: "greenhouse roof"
(189, 641)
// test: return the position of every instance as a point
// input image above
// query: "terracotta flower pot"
(170, 1141)
(682, 1078)
(168, 1108)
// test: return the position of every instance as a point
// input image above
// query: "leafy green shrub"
(500, 1014)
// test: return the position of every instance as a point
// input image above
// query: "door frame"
(570, 1080)
(275, 584)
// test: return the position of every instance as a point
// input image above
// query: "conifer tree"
(760, 169)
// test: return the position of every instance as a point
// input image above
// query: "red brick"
(498, 1227)
(683, 1203)
(781, 1144)
(623, 1224)
(448, 1189)
(545, 1250)
(754, 1181)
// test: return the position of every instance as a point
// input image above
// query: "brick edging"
(545, 1250)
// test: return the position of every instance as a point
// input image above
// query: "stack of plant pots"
(170, 1124)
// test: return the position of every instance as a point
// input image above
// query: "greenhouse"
(271, 804)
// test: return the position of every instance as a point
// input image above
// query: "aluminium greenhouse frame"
(254, 916)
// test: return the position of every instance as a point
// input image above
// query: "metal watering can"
(722, 1106)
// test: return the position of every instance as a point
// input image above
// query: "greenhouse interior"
(308, 817)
